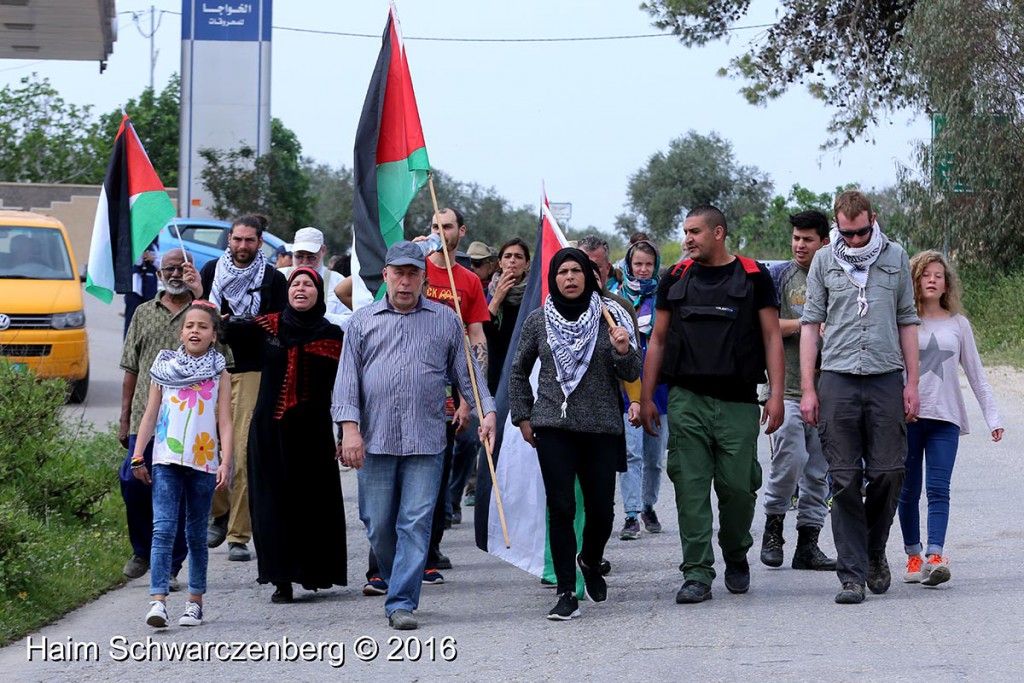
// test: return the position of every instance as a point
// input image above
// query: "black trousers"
(863, 434)
(564, 457)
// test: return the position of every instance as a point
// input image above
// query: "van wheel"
(79, 389)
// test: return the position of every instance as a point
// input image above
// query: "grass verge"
(995, 307)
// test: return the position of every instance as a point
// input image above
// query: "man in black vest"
(242, 284)
(716, 332)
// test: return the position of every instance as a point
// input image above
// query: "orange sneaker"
(935, 571)
(914, 564)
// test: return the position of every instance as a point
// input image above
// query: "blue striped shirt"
(392, 376)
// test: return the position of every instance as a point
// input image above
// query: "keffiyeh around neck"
(178, 370)
(856, 262)
(240, 287)
(572, 342)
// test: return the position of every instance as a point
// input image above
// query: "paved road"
(786, 628)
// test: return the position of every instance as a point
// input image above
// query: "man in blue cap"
(396, 439)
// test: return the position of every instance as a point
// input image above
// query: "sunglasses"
(478, 263)
(859, 232)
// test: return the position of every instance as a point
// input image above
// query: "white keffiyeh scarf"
(240, 287)
(178, 370)
(572, 342)
(856, 262)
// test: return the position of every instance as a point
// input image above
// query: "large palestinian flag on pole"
(390, 164)
(133, 207)
(516, 467)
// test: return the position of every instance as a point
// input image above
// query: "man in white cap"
(308, 250)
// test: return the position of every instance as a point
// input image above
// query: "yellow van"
(42, 319)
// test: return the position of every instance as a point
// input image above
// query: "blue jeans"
(138, 507)
(932, 443)
(644, 457)
(467, 444)
(171, 483)
(397, 495)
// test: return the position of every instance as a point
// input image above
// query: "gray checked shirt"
(392, 376)
(855, 345)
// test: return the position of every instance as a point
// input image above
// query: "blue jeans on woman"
(171, 483)
(933, 444)
(645, 455)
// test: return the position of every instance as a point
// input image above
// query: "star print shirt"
(944, 344)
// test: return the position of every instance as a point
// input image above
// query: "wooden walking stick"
(469, 359)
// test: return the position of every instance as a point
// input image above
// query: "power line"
(437, 39)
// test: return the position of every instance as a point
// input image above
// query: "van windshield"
(33, 254)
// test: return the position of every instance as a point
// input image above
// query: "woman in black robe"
(295, 500)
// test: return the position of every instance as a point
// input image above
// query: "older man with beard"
(242, 284)
(155, 326)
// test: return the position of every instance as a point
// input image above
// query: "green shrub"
(995, 306)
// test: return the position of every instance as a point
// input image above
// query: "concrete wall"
(72, 205)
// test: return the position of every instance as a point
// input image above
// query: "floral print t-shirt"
(186, 429)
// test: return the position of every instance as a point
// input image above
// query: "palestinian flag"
(516, 467)
(132, 210)
(390, 164)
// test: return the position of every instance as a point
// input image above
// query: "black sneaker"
(568, 607)
(879, 576)
(737, 576)
(238, 552)
(594, 586)
(851, 594)
(443, 561)
(217, 531)
(650, 519)
(605, 567)
(630, 530)
(693, 591)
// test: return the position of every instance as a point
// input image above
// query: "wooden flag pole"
(469, 359)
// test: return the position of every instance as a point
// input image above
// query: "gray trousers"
(798, 460)
(863, 433)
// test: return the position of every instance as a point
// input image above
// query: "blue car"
(207, 239)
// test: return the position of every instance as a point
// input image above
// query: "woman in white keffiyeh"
(576, 421)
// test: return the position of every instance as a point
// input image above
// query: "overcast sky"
(582, 116)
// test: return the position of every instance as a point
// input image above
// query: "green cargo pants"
(710, 440)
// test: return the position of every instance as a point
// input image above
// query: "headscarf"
(240, 287)
(640, 291)
(571, 325)
(301, 333)
(856, 262)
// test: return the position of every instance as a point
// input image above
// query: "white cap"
(308, 239)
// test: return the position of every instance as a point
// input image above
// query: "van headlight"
(68, 321)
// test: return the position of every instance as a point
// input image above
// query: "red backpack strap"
(751, 266)
(680, 268)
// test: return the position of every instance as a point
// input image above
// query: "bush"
(995, 307)
(57, 519)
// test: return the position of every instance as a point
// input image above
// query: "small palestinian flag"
(132, 209)
(390, 164)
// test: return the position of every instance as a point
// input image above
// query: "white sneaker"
(157, 615)
(193, 614)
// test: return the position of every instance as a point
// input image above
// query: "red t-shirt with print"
(467, 285)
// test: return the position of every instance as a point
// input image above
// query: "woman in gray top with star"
(575, 421)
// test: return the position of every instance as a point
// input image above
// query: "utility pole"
(152, 44)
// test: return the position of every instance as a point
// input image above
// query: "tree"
(157, 120)
(273, 184)
(696, 169)
(44, 139)
(964, 196)
(490, 218)
(851, 54)
(333, 192)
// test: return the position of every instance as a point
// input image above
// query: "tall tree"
(273, 184)
(44, 139)
(696, 169)
(332, 191)
(965, 193)
(157, 119)
(851, 54)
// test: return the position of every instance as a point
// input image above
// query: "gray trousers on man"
(798, 460)
(862, 429)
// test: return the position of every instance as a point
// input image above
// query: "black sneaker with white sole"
(693, 591)
(568, 607)
(594, 586)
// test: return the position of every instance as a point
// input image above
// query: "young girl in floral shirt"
(190, 409)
